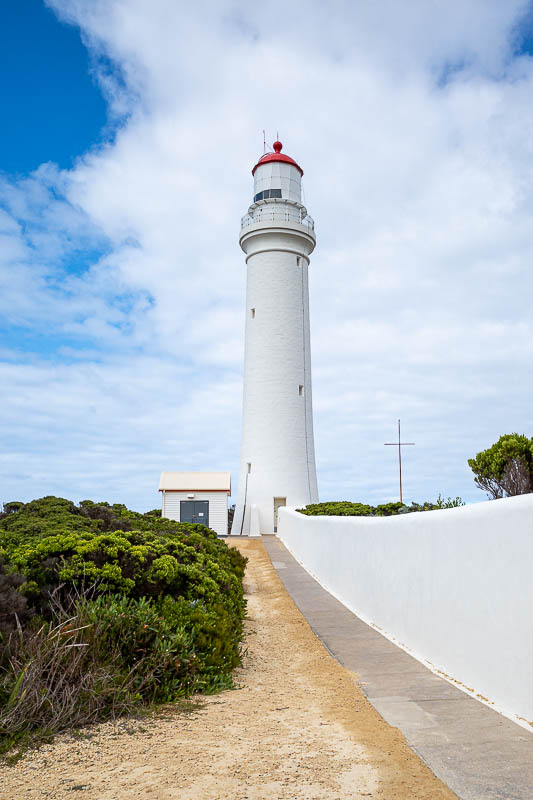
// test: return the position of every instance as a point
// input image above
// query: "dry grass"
(57, 677)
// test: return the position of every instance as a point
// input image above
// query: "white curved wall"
(279, 175)
(453, 586)
(277, 432)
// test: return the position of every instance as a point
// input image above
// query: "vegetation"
(103, 610)
(231, 514)
(346, 508)
(506, 468)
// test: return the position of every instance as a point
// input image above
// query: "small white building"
(197, 497)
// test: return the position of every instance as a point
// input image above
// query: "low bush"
(346, 508)
(191, 564)
(13, 604)
(58, 676)
(46, 516)
(157, 609)
(102, 658)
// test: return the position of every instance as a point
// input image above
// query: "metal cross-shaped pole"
(399, 445)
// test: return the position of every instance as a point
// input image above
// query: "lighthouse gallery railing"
(278, 215)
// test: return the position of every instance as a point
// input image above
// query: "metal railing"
(278, 215)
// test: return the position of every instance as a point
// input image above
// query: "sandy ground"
(298, 728)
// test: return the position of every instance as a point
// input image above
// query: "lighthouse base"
(255, 526)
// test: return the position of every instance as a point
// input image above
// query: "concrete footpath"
(477, 752)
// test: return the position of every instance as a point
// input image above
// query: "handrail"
(259, 215)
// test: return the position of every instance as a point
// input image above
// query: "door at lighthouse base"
(195, 511)
(278, 503)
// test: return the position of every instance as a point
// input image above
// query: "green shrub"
(13, 604)
(160, 604)
(449, 502)
(346, 508)
(337, 509)
(50, 515)
(388, 509)
(100, 659)
(158, 653)
(506, 468)
(191, 564)
(41, 518)
(11, 508)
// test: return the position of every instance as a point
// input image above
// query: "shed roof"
(195, 481)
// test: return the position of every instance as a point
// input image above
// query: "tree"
(506, 468)
(13, 507)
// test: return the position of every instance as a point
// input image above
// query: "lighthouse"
(277, 465)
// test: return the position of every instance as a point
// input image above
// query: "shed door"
(195, 511)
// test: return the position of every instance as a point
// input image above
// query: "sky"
(128, 137)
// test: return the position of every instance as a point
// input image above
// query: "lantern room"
(277, 177)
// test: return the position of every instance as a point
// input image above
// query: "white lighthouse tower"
(277, 452)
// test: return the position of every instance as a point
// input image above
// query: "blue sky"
(128, 137)
(53, 109)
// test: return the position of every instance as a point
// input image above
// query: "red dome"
(277, 155)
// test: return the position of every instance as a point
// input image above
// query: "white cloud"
(414, 126)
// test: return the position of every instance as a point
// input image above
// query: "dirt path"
(298, 729)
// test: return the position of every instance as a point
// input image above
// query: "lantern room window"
(267, 194)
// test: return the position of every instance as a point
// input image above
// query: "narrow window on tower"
(252, 313)
(249, 465)
(298, 260)
(301, 390)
